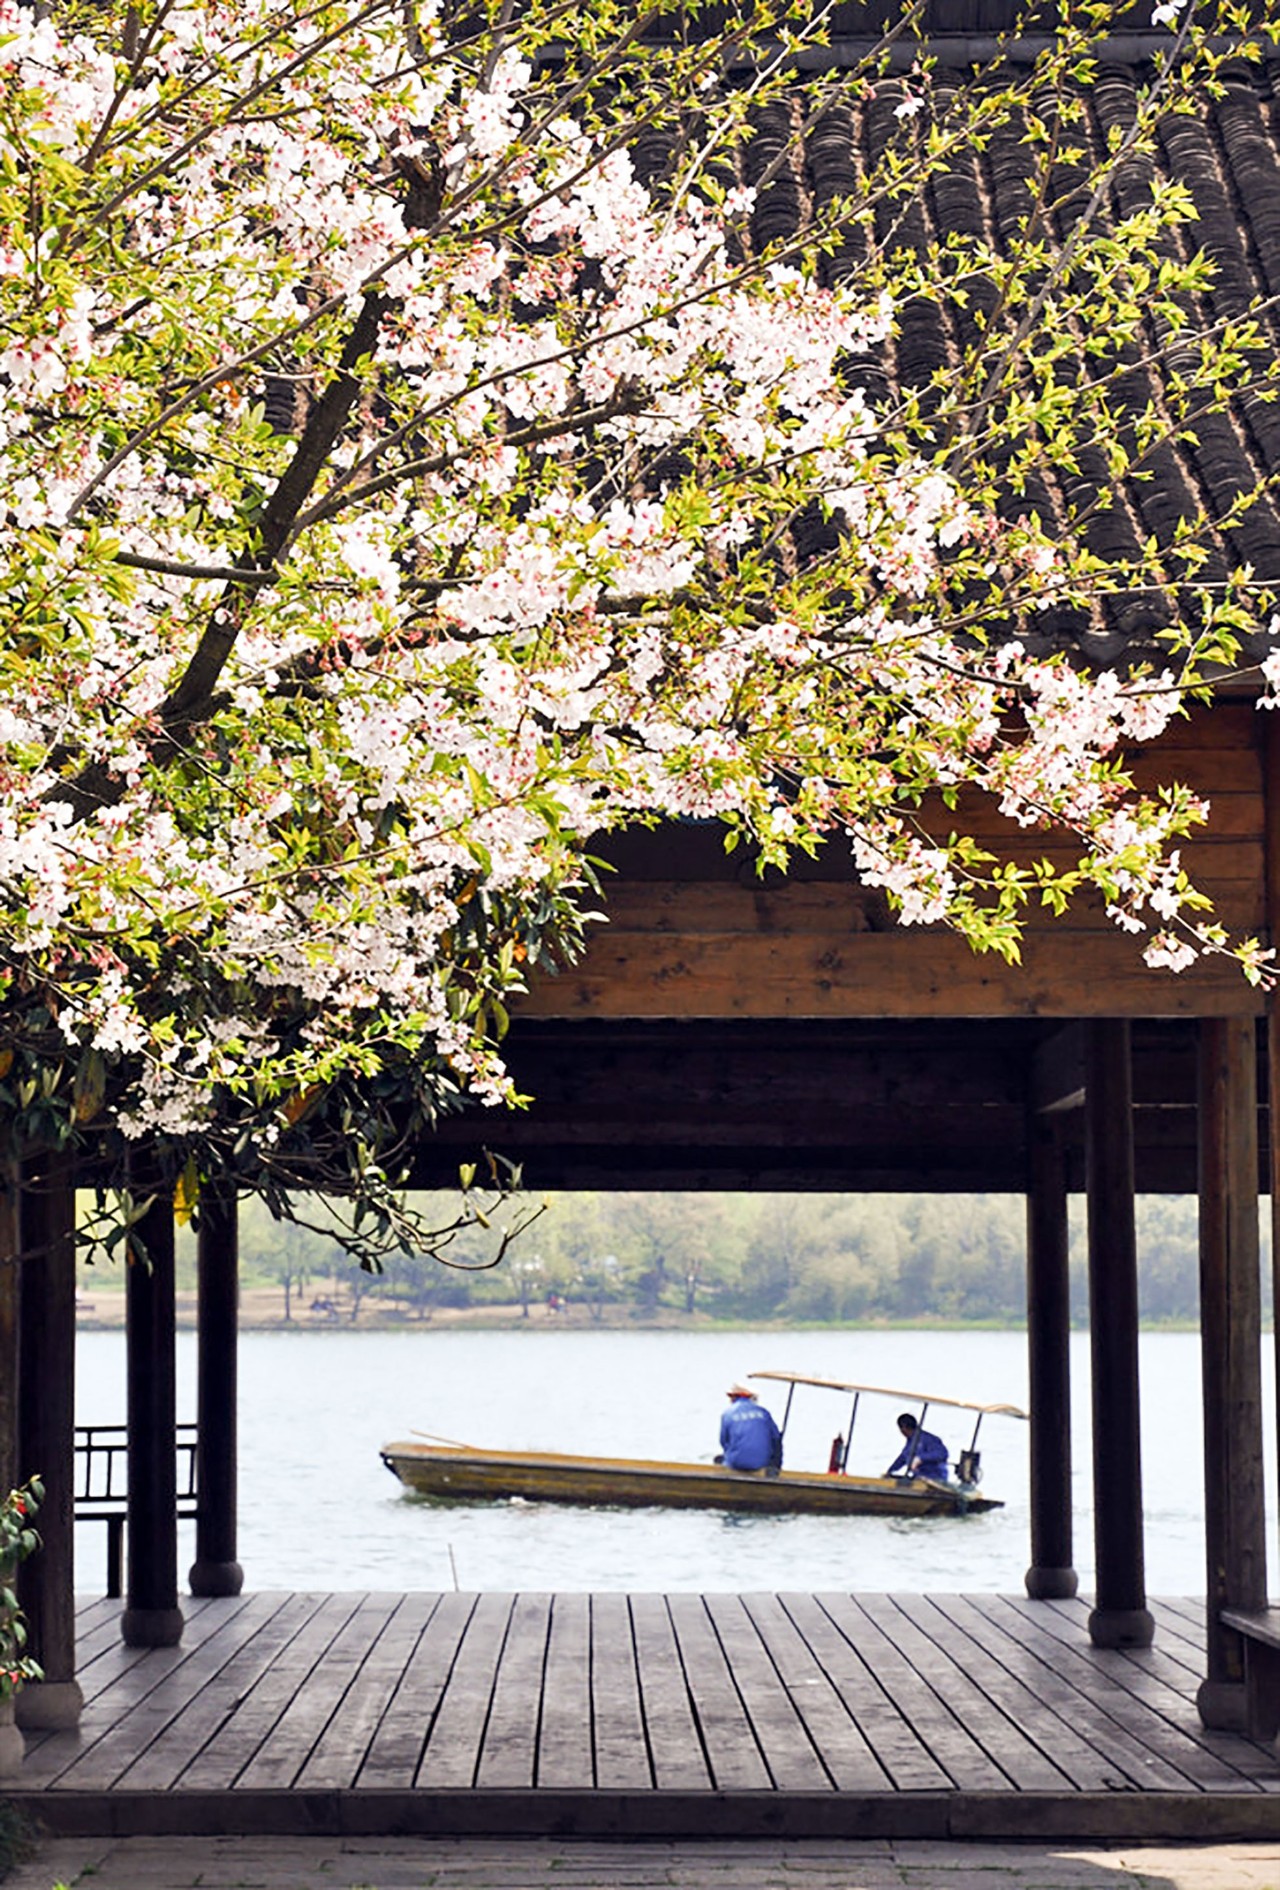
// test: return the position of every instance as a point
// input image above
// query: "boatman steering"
(749, 1438)
(922, 1455)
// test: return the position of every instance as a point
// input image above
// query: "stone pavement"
(237, 1863)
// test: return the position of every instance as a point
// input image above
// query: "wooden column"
(1273, 1124)
(1271, 788)
(215, 1570)
(1120, 1616)
(46, 1430)
(1051, 1574)
(152, 1617)
(1230, 1343)
(10, 1293)
(12, 1744)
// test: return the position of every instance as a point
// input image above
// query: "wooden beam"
(719, 1081)
(694, 933)
(1066, 973)
(758, 1171)
(793, 1104)
(630, 1126)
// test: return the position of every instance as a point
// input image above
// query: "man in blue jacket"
(749, 1438)
(923, 1454)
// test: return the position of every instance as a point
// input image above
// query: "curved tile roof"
(1227, 158)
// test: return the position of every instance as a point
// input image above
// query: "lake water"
(319, 1510)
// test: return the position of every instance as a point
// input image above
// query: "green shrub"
(17, 1840)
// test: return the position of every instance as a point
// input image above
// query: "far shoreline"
(261, 1311)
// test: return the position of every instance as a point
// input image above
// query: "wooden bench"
(1259, 1629)
(101, 1485)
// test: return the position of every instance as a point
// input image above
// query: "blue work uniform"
(926, 1454)
(749, 1438)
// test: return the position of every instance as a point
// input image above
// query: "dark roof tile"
(1228, 158)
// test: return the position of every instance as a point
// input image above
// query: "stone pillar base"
(1221, 1704)
(1051, 1584)
(215, 1578)
(1121, 1627)
(50, 1706)
(151, 1627)
(13, 1747)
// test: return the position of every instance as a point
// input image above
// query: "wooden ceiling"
(939, 1106)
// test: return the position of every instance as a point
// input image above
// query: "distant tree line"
(814, 1258)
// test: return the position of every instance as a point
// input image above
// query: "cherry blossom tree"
(406, 433)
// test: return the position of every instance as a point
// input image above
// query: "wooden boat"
(449, 1471)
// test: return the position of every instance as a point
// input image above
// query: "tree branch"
(96, 786)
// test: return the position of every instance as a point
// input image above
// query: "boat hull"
(464, 1475)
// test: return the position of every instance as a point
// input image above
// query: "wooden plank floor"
(644, 1713)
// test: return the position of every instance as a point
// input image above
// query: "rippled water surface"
(318, 1509)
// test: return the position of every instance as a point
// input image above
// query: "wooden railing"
(102, 1485)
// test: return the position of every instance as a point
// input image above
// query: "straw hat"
(739, 1391)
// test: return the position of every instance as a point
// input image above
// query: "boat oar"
(452, 1442)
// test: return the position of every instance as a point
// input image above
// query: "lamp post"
(527, 1270)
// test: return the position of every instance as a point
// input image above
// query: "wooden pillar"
(1051, 1574)
(10, 1277)
(12, 1744)
(1120, 1616)
(215, 1570)
(46, 1430)
(1273, 1124)
(1230, 1342)
(152, 1617)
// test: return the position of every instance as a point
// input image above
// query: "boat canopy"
(887, 1391)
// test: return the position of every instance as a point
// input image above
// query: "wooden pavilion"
(728, 1031)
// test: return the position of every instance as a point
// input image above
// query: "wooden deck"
(648, 1715)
